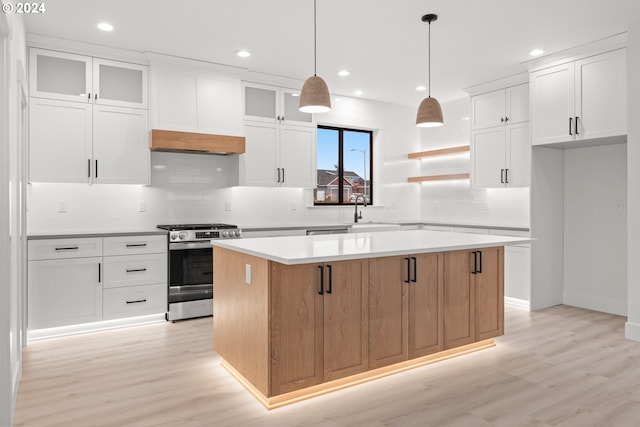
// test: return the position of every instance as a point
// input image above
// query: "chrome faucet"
(356, 217)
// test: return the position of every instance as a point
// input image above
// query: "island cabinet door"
(388, 311)
(490, 293)
(459, 298)
(425, 304)
(296, 327)
(346, 318)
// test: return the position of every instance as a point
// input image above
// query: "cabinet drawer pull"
(577, 125)
(330, 279)
(282, 174)
(501, 176)
(479, 270)
(136, 301)
(506, 176)
(99, 272)
(278, 174)
(136, 245)
(67, 248)
(96, 168)
(88, 168)
(133, 270)
(321, 280)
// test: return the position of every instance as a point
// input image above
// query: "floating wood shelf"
(447, 177)
(439, 152)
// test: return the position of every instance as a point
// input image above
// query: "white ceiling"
(382, 42)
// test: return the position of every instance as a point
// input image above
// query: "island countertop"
(291, 250)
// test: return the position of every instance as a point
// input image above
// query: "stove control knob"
(182, 235)
(225, 234)
(237, 233)
(174, 235)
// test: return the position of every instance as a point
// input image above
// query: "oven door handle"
(190, 245)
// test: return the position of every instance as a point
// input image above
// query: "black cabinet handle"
(570, 125)
(506, 119)
(89, 96)
(136, 245)
(330, 279)
(415, 269)
(96, 168)
(278, 174)
(479, 262)
(321, 280)
(475, 262)
(506, 176)
(577, 125)
(67, 248)
(408, 270)
(501, 119)
(501, 176)
(99, 272)
(88, 168)
(282, 174)
(136, 301)
(133, 270)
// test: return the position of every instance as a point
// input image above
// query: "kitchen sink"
(361, 227)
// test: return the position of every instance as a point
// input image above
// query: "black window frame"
(369, 183)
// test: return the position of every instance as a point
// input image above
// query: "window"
(343, 166)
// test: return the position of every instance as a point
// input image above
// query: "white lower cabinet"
(134, 301)
(64, 292)
(88, 279)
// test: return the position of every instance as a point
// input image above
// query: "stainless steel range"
(191, 267)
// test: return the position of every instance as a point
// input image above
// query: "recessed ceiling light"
(421, 88)
(343, 73)
(358, 92)
(243, 53)
(536, 52)
(105, 26)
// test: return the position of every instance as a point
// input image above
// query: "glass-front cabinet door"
(70, 77)
(273, 104)
(59, 75)
(120, 83)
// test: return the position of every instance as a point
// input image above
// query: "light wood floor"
(561, 366)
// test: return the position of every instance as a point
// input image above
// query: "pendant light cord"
(315, 41)
(429, 61)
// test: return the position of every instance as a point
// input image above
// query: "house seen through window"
(343, 168)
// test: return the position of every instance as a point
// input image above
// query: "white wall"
(595, 228)
(197, 188)
(632, 329)
(456, 201)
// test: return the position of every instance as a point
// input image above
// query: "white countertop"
(336, 247)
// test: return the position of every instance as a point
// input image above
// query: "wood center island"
(299, 316)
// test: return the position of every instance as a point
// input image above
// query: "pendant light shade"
(314, 97)
(429, 111)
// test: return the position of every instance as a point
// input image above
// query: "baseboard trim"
(632, 331)
(522, 303)
(342, 383)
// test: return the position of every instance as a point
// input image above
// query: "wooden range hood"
(189, 142)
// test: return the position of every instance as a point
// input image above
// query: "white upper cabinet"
(188, 97)
(278, 156)
(500, 141)
(579, 100)
(88, 119)
(500, 107)
(273, 104)
(71, 77)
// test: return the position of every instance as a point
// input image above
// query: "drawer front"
(135, 270)
(134, 301)
(82, 247)
(131, 245)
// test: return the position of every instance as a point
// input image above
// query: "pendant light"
(314, 97)
(429, 111)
